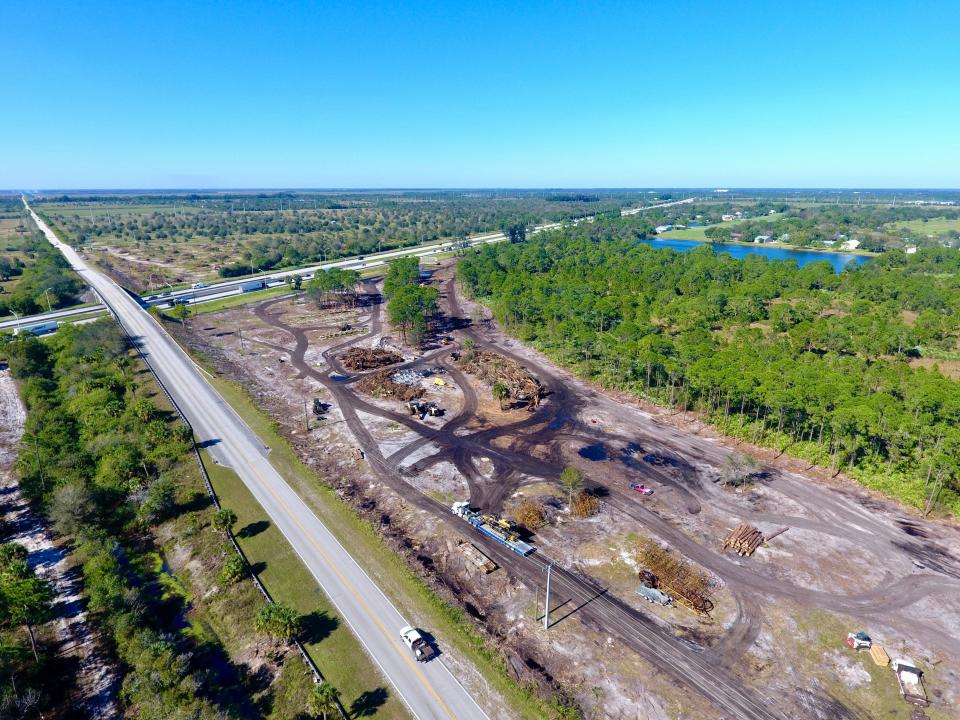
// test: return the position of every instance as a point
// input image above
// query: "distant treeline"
(572, 197)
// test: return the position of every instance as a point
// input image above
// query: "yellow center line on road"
(403, 653)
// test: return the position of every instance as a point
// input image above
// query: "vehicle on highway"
(421, 649)
(252, 285)
(641, 488)
(37, 329)
(198, 286)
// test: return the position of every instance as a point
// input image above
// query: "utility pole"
(546, 604)
(46, 294)
(306, 418)
(240, 333)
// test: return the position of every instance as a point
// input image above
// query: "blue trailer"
(493, 527)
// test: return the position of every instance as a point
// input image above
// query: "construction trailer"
(494, 527)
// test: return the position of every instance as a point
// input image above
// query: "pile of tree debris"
(381, 385)
(688, 585)
(492, 368)
(369, 358)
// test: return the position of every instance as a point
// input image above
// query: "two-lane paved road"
(429, 690)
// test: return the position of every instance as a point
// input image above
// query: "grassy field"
(451, 625)
(241, 299)
(936, 227)
(697, 233)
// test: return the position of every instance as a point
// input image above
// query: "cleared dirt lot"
(774, 644)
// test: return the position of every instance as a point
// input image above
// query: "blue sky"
(489, 94)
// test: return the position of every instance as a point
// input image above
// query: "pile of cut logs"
(744, 539)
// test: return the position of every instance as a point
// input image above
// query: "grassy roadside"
(415, 598)
(241, 299)
(327, 639)
(195, 553)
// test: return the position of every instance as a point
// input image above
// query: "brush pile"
(381, 385)
(492, 368)
(369, 358)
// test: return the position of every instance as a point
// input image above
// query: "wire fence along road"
(429, 689)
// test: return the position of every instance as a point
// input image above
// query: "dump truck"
(911, 683)
(494, 527)
(421, 649)
(651, 594)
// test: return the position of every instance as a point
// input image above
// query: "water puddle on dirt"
(596, 452)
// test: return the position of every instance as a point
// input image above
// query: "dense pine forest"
(841, 369)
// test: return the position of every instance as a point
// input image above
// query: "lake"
(838, 260)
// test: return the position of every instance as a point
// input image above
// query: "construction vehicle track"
(705, 670)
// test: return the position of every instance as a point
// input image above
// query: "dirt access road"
(683, 662)
(683, 465)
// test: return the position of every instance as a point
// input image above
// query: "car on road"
(421, 649)
(641, 488)
(198, 286)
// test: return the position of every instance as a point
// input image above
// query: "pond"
(837, 260)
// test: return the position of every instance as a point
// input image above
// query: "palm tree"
(324, 700)
(224, 520)
(500, 392)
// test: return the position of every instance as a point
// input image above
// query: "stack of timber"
(744, 539)
(688, 585)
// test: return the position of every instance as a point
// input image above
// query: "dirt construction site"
(765, 577)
